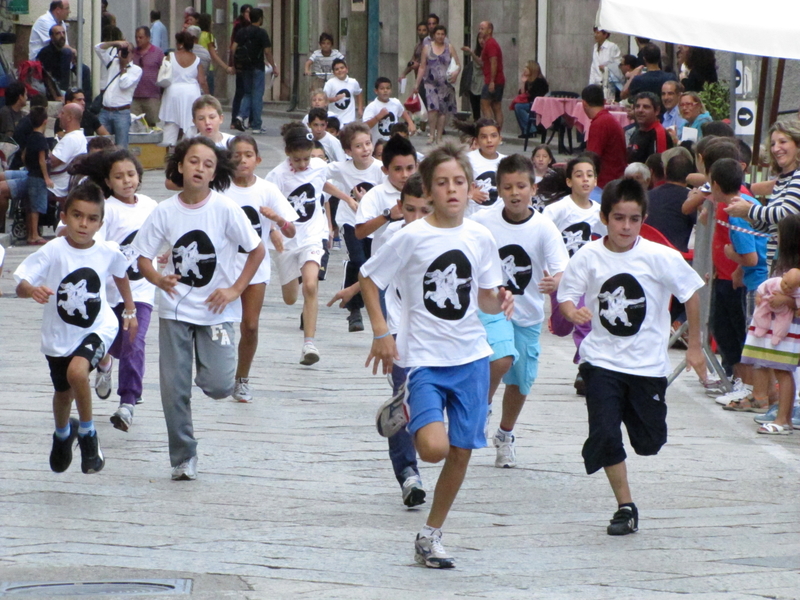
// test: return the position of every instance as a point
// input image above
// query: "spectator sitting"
(606, 137)
(158, 31)
(72, 144)
(55, 58)
(677, 150)
(11, 113)
(701, 64)
(638, 172)
(90, 123)
(40, 34)
(656, 166)
(649, 137)
(665, 202)
(629, 67)
(533, 85)
(694, 112)
(653, 79)
(671, 114)
(148, 57)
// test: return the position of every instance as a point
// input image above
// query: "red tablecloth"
(548, 109)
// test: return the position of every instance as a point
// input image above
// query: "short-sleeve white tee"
(203, 243)
(70, 146)
(79, 306)
(438, 273)
(121, 223)
(392, 295)
(373, 204)
(382, 129)
(628, 294)
(333, 148)
(347, 177)
(484, 170)
(251, 199)
(344, 109)
(303, 190)
(578, 226)
(526, 251)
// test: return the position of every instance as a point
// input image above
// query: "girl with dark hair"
(702, 66)
(200, 286)
(543, 160)
(476, 85)
(188, 84)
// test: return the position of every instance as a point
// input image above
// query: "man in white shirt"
(40, 34)
(123, 77)
(605, 55)
(71, 145)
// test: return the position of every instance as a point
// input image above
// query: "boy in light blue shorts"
(532, 256)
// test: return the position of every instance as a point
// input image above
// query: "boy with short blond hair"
(207, 117)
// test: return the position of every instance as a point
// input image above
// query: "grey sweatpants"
(213, 348)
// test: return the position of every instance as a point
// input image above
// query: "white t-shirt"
(382, 129)
(373, 204)
(203, 243)
(2, 256)
(78, 280)
(628, 294)
(251, 199)
(68, 147)
(323, 64)
(303, 190)
(526, 251)
(305, 119)
(120, 224)
(344, 109)
(484, 170)
(578, 226)
(333, 148)
(223, 143)
(438, 272)
(346, 176)
(392, 296)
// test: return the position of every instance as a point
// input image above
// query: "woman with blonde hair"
(532, 85)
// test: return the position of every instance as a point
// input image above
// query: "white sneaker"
(737, 394)
(413, 492)
(102, 381)
(506, 454)
(186, 471)
(309, 355)
(241, 390)
(122, 419)
(429, 551)
(715, 388)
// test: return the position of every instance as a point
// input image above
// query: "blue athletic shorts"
(500, 335)
(463, 391)
(526, 367)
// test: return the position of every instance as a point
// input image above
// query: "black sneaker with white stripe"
(624, 521)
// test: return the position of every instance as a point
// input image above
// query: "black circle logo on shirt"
(78, 298)
(195, 258)
(487, 182)
(385, 124)
(364, 186)
(303, 200)
(623, 305)
(576, 235)
(447, 286)
(255, 221)
(517, 268)
(126, 249)
(344, 102)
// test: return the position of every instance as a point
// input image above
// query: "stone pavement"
(296, 498)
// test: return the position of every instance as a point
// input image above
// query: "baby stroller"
(19, 227)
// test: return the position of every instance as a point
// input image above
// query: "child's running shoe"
(102, 381)
(624, 521)
(428, 551)
(506, 453)
(122, 419)
(186, 471)
(355, 322)
(392, 415)
(413, 492)
(241, 390)
(337, 243)
(92, 460)
(309, 354)
(61, 454)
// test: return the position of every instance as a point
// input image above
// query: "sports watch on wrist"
(387, 214)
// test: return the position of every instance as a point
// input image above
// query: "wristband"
(380, 337)
(285, 225)
(128, 314)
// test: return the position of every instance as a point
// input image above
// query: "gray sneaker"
(309, 355)
(429, 551)
(241, 390)
(392, 415)
(506, 453)
(102, 381)
(413, 492)
(186, 471)
(122, 419)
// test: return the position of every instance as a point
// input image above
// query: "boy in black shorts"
(628, 282)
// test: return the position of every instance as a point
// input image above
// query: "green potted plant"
(716, 99)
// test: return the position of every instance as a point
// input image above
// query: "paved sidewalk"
(296, 498)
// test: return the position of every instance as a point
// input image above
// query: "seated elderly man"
(694, 112)
(649, 136)
(638, 172)
(671, 117)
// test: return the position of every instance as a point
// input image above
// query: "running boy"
(385, 111)
(443, 267)
(532, 256)
(200, 286)
(627, 282)
(78, 324)
(344, 93)
(318, 124)
(484, 160)
(207, 117)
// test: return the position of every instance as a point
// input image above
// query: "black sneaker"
(579, 385)
(92, 460)
(625, 521)
(354, 321)
(61, 454)
(237, 124)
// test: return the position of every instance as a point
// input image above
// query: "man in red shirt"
(494, 81)
(606, 137)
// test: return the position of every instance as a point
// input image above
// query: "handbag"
(97, 104)
(452, 68)
(164, 77)
(413, 104)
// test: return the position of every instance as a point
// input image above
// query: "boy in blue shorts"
(627, 282)
(531, 248)
(443, 267)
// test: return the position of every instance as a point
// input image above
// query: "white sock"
(427, 531)
(503, 434)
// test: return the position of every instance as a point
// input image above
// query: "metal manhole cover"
(134, 587)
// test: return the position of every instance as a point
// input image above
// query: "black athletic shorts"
(91, 348)
(613, 398)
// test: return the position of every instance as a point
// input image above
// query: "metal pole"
(373, 45)
(295, 99)
(79, 57)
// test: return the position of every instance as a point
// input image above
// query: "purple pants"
(131, 354)
(562, 328)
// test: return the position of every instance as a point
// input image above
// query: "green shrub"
(717, 99)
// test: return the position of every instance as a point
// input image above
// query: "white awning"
(761, 28)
